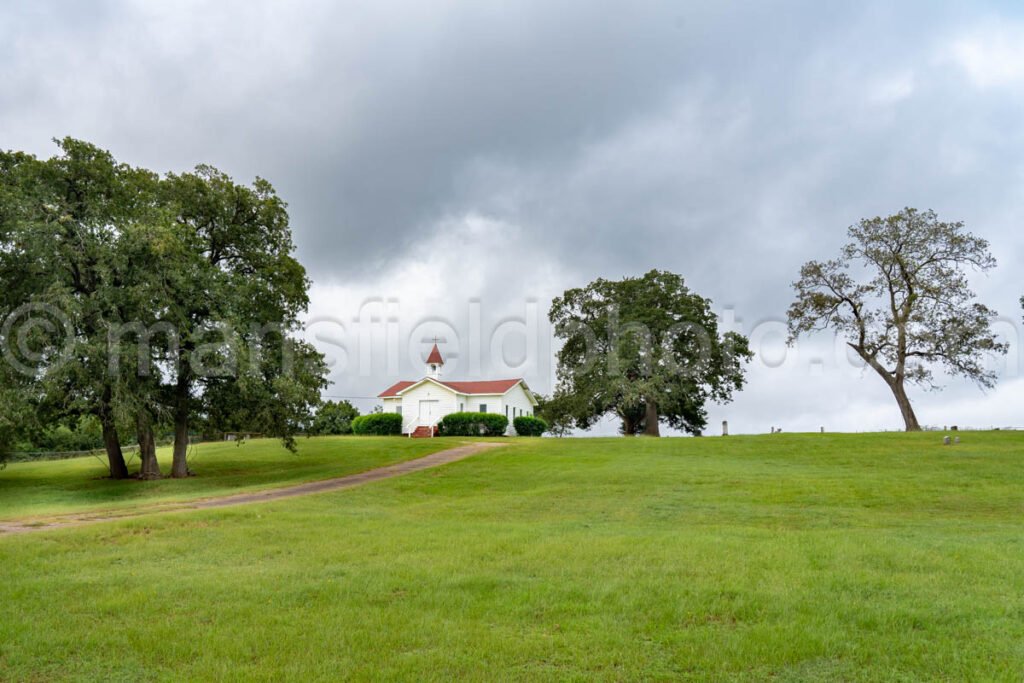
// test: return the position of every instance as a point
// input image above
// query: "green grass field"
(54, 487)
(785, 557)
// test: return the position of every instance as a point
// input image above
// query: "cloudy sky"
(450, 167)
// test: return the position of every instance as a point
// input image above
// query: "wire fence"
(127, 450)
(23, 456)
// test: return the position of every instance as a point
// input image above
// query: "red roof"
(393, 390)
(493, 386)
(435, 357)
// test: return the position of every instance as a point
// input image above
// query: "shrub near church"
(526, 425)
(473, 424)
(378, 424)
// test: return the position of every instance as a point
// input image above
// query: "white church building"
(424, 402)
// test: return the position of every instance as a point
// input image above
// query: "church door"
(429, 413)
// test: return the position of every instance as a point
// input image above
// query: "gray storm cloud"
(501, 154)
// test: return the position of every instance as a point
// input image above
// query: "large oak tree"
(646, 349)
(236, 280)
(898, 293)
(158, 286)
(61, 270)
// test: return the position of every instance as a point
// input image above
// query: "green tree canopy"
(234, 298)
(334, 418)
(646, 349)
(62, 276)
(140, 299)
(274, 394)
(558, 411)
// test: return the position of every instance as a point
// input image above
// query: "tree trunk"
(895, 380)
(628, 426)
(909, 418)
(115, 458)
(179, 460)
(651, 426)
(111, 441)
(147, 446)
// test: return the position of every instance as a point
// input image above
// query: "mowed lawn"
(784, 557)
(37, 489)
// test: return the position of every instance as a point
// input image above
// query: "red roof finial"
(435, 356)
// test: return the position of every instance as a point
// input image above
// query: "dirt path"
(309, 488)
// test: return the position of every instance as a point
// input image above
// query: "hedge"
(473, 424)
(527, 425)
(379, 424)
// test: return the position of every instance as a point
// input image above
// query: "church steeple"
(435, 361)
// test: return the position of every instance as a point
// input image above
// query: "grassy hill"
(30, 489)
(793, 557)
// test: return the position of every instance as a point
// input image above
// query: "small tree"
(334, 418)
(898, 293)
(274, 393)
(557, 411)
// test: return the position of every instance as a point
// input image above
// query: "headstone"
(725, 428)
(953, 428)
(946, 441)
(773, 430)
(822, 430)
(956, 440)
